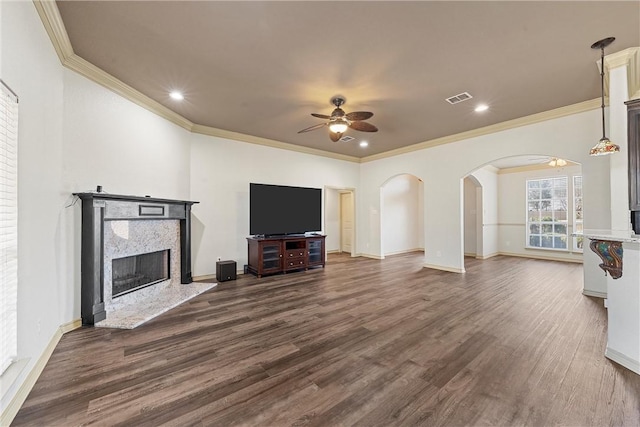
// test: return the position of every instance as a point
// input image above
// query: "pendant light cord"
(602, 88)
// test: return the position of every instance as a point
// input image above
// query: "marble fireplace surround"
(120, 225)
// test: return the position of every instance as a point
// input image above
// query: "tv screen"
(279, 209)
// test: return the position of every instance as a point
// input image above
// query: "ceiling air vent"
(346, 138)
(464, 96)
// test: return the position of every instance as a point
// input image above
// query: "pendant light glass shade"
(604, 146)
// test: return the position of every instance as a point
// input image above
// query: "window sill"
(568, 251)
(10, 375)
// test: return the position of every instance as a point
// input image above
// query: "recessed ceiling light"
(176, 95)
(481, 107)
(364, 144)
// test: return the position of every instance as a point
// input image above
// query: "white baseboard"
(473, 254)
(70, 326)
(542, 257)
(405, 251)
(17, 401)
(334, 251)
(488, 256)
(627, 362)
(443, 268)
(205, 277)
(370, 256)
(594, 294)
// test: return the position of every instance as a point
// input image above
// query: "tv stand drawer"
(295, 263)
(295, 253)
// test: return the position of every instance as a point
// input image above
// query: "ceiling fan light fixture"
(557, 163)
(339, 121)
(604, 146)
(338, 126)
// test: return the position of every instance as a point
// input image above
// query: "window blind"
(8, 226)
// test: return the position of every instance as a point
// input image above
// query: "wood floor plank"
(360, 342)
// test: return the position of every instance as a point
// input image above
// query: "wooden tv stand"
(282, 254)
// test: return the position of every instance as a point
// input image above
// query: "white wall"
(488, 180)
(332, 219)
(513, 212)
(617, 131)
(73, 135)
(221, 171)
(443, 167)
(401, 214)
(115, 143)
(470, 217)
(31, 68)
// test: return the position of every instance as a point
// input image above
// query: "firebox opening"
(138, 271)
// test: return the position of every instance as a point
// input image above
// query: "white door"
(346, 221)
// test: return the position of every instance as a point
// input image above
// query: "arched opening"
(528, 206)
(402, 215)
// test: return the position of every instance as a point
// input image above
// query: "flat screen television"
(280, 209)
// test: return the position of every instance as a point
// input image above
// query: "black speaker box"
(225, 270)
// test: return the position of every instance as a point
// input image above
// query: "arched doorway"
(530, 207)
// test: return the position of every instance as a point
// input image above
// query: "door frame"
(341, 190)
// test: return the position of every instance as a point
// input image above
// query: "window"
(8, 226)
(578, 242)
(547, 213)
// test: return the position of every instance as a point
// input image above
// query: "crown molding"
(498, 127)
(220, 133)
(629, 58)
(52, 21)
(90, 71)
(622, 58)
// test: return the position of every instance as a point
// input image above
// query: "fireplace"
(128, 244)
(131, 273)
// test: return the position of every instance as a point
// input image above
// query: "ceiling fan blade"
(363, 127)
(314, 127)
(320, 116)
(335, 136)
(359, 115)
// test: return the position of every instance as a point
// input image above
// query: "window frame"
(8, 227)
(575, 220)
(554, 223)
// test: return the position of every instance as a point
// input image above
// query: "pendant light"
(604, 146)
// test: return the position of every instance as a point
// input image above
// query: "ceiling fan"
(339, 121)
(552, 161)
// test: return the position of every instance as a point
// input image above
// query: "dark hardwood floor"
(362, 342)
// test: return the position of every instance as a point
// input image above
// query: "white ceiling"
(261, 68)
